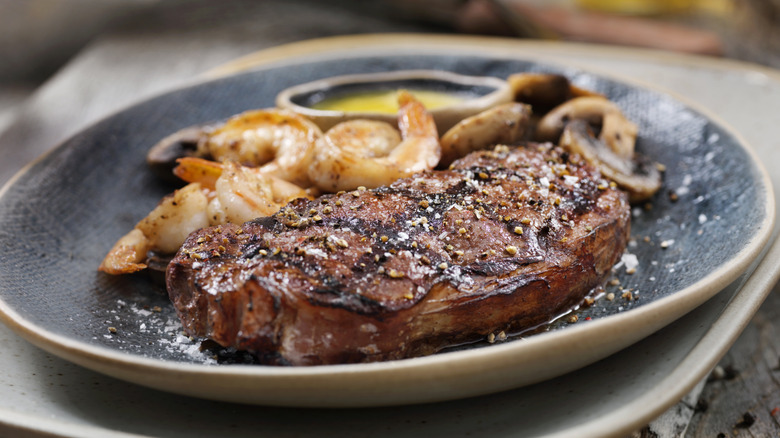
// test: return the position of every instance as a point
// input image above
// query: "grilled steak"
(504, 240)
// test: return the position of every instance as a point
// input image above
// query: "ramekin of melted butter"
(449, 97)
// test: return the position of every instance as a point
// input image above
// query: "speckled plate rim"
(420, 379)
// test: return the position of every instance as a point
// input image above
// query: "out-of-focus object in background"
(653, 7)
(755, 34)
(748, 29)
(38, 36)
(666, 24)
(741, 29)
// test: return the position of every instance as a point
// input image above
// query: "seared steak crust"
(504, 240)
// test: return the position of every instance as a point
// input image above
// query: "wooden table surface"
(175, 44)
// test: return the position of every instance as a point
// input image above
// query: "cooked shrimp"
(240, 193)
(162, 230)
(243, 194)
(281, 142)
(349, 156)
(372, 138)
(217, 194)
(503, 124)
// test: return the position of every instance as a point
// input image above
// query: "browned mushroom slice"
(604, 117)
(638, 176)
(503, 124)
(162, 157)
(544, 91)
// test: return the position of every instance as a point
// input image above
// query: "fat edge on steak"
(505, 239)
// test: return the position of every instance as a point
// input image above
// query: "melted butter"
(385, 101)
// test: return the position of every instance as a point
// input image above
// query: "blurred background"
(44, 41)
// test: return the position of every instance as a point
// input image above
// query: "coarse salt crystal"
(570, 180)
(630, 261)
(316, 252)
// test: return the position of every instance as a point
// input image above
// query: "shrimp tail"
(198, 170)
(127, 255)
(413, 119)
(420, 149)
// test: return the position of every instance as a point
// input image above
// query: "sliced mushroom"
(604, 117)
(544, 91)
(503, 124)
(162, 157)
(638, 175)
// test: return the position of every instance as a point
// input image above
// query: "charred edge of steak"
(529, 228)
